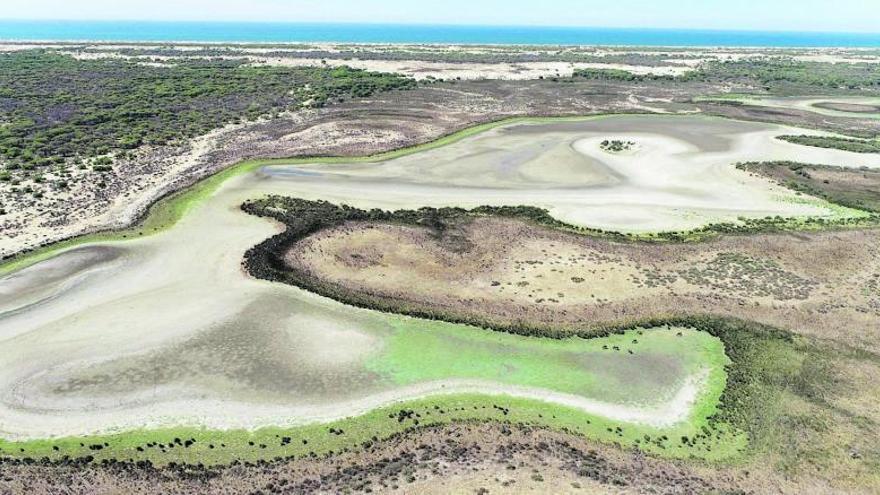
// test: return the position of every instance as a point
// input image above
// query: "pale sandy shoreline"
(22, 425)
(421, 70)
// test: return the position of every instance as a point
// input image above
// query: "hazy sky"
(784, 15)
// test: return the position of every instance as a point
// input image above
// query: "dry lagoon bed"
(168, 330)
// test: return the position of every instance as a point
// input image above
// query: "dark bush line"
(839, 143)
(778, 73)
(774, 74)
(304, 218)
(619, 75)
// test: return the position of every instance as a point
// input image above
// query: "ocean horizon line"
(182, 31)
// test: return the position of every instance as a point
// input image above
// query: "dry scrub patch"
(460, 458)
(502, 271)
(452, 459)
(854, 188)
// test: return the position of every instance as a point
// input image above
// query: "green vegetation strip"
(610, 369)
(769, 369)
(212, 447)
(535, 361)
(840, 143)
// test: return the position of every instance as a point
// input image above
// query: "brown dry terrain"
(504, 271)
(463, 458)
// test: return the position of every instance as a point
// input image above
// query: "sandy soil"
(421, 69)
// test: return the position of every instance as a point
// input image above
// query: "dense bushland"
(54, 108)
(619, 75)
(773, 72)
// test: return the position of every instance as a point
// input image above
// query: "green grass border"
(761, 365)
(221, 447)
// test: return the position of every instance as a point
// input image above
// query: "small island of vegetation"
(616, 145)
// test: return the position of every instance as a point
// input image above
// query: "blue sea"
(394, 33)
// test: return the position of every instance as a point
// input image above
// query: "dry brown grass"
(502, 271)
